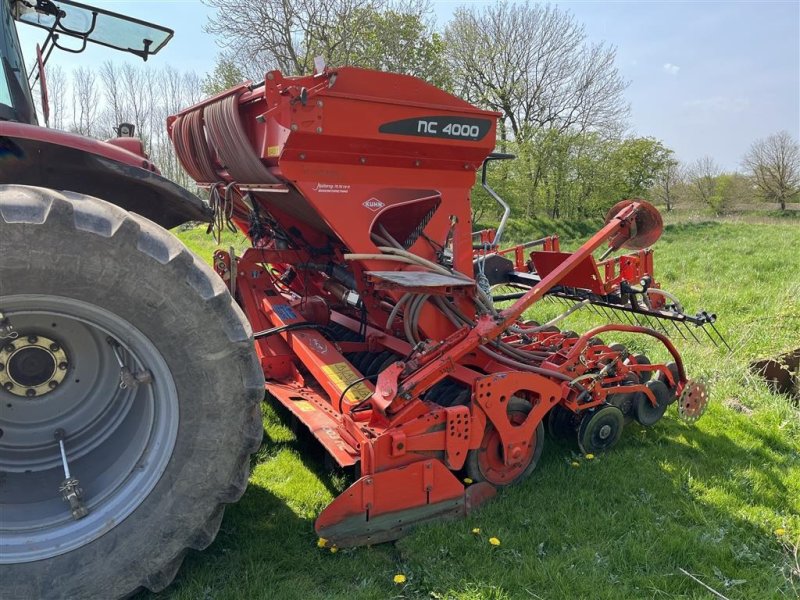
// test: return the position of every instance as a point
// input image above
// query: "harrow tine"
(713, 341)
(719, 335)
(678, 329)
(691, 333)
(595, 310)
(608, 316)
(627, 317)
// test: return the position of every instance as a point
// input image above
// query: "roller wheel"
(600, 430)
(560, 422)
(155, 450)
(486, 463)
(646, 413)
(673, 368)
(641, 359)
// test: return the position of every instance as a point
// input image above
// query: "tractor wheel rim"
(491, 457)
(118, 440)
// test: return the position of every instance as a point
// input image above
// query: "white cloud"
(718, 104)
(671, 69)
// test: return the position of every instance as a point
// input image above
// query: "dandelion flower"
(589, 456)
(321, 542)
(467, 480)
(476, 530)
(780, 531)
(334, 549)
(575, 464)
(494, 541)
(399, 579)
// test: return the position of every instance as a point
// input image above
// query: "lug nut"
(33, 339)
(9, 348)
(8, 385)
(55, 347)
(63, 366)
(30, 392)
(53, 384)
(2, 366)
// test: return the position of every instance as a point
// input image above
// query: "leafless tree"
(667, 180)
(57, 86)
(774, 163)
(702, 176)
(85, 101)
(285, 35)
(533, 63)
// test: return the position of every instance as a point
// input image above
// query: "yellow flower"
(321, 542)
(476, 530)
(468, 481)
(494, 541)
(334, 549)
(399, 578)
(575, 464)
(780, 531)
(589, 456)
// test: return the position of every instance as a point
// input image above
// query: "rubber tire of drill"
(472, 465)
(69, 241)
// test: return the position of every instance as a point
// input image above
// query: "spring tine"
(691, 333)
(713, 341)
(721, 338)
(678, 329)
(607, 314)
(663, 327)
(627, 316)
(594, 310)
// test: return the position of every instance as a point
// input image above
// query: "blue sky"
(707, 78)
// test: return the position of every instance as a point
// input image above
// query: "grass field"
(720, 499)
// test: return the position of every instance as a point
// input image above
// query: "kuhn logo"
(373, 204)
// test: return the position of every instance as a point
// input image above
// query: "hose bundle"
(189, 139)
(229, 139)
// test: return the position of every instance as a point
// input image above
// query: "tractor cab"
(70, 26)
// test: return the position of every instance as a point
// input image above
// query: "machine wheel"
(486, 463)
(641, 359)
(158, 447)
(560, 422)
(646, 413)
(600, 430)
(673, 368)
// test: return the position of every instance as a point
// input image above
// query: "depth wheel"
(600, 430)
(132, 354)
(646, 413)
(486, 463)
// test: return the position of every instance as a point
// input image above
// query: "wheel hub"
(604, 432)
(32, 366)
(79, 451)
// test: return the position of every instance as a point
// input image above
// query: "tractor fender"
(31, 155)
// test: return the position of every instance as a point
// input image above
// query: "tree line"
(561, 95)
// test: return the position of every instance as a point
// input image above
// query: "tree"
(289, 35)
(774, 163)
(668, 179)
(637, 162)
(225, 75)
(533, 63)
(85, 101)
(702, 181)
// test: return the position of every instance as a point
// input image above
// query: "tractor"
(132, 373)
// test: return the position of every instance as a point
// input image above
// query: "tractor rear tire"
(85, 284)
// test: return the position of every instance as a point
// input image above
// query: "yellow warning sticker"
(342, 376)
(273, 151)
(304, 406)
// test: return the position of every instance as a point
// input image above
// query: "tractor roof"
(90, 24)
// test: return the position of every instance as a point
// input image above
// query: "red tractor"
(131, 373)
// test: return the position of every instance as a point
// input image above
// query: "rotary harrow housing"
(372, 298)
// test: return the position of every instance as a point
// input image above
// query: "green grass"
(707, 498)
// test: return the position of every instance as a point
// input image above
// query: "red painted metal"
(353, 187)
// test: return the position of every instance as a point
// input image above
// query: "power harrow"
(388, 328)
